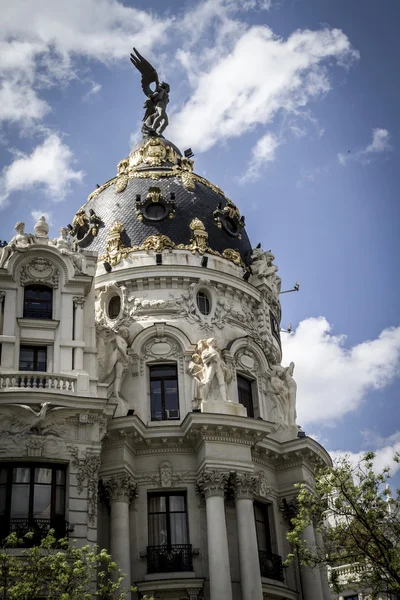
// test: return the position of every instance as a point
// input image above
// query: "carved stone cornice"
(119, 488)
(245, 485)
(79, 301)
(212, 482)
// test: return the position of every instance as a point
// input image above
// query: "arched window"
(114, 307)
(203, 302)
(38, 302)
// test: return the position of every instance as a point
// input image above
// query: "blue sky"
(291, 107)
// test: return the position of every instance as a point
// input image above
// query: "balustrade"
(37, 381)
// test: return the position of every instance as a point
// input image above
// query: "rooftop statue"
(155, 119)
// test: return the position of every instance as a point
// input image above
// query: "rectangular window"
(33, 358)
(245, 394)
(169, 549)
(270, 563)
(32, 498)
(164, 392)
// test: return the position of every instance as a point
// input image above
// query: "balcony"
(270, 565)
(38, 527)
(169, 559)
(37, 381)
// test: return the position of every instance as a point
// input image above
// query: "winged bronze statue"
(155, 119)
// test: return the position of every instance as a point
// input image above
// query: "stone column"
(79, 302)
(212, 485)
(121, 490)
(250, 576)
(326, 590)
(311, 578)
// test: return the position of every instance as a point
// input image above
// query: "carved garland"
(87, 470)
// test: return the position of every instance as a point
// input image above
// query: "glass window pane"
(158, 530)
(60, 500)
(26, 359)
(43, 475)
(3, 475)
(19, 501)
(155, 397)
(157, 504)
(162, 371)
(60, 477)
(42, 501)
(3, 499)
(21, 475)
(178, 528)
(176, 503)
(41, 360)
(171, 394)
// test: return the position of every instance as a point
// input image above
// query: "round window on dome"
(230, 226)
(114, 307)
(203, 302)
(155, 211)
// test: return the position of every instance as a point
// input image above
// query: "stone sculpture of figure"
(155, 119)
(213, 367)
(263, 268)
(283, 389)
(113, 357)
(195, 369)
(65, 246)
(19, 243)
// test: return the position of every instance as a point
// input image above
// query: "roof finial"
(155, 119)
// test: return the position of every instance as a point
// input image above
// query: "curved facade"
(153, 327)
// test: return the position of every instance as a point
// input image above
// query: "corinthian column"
(212, 485)
(250, 577)
(121, 490)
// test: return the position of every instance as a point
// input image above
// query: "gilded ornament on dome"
(84, 225)
(122, 178)
(158, 243)
(199, 241)
(188, 180)
(115, 250)
(233, 256)
(154, 152)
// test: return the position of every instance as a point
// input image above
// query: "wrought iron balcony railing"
(168, 559)
(271, 565)
(38, 528)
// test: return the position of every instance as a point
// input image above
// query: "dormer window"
(38, 302)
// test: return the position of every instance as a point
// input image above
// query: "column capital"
(212, 482)
(245, 485)
(119, 488)
(79, 301)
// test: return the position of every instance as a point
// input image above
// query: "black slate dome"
(157, 193)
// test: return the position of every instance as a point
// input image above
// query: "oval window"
(114, 307)
(230, 226)
(155, 211)
(203, 302)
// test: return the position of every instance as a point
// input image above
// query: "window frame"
(109, 306)
(164, 416)
(167, 513)
(36, 349)
(205, 297)
(54, 516)
(42, 314)
(250, 383)
(265, 507)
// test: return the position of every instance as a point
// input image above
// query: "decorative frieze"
(120, 488)
(212, 482)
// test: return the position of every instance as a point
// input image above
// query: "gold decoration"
(154, 194)
(188, 180)
(80, 219)
(115, 250)
(122, 178)
(158, 243)
(233, 256)
(98, 190)
(199, 241)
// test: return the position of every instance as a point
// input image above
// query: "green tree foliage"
(57, 570)
(357, 522)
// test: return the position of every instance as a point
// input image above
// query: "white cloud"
(94, 90)
(262, 154)
(384, 451)
(48, 166)
(332, 379)
(380, 143)
(254, 76)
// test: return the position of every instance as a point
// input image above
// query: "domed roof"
(156, 193)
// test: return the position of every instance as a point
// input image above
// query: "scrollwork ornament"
(212, 483)
(40, 270)
(87, 470)
(120, 488)
(263, 485)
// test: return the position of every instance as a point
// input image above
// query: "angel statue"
(155, 119)
(114, 361)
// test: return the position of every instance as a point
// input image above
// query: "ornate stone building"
(143, 403)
